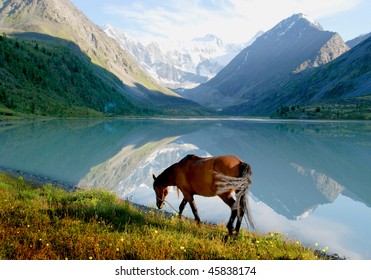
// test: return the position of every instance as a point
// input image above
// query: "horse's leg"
(241, 212)
(239, 219)
(181, 207)
(229, 200)
(194, 209)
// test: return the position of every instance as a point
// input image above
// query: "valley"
(102, 72)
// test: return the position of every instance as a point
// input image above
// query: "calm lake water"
(311, 180)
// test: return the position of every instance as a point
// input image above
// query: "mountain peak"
(293, 45)
(295, 22)
(209, 38)
(312, 21)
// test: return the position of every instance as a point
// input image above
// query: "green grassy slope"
(50, 224)
(52, 77)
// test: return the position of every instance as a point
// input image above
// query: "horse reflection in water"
(211, 176)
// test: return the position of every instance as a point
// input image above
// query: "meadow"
(49, 223)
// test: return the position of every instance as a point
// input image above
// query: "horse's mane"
(192, 157)
(167, 175)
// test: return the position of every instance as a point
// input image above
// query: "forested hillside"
(53, 77)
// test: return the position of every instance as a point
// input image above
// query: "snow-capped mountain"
(292, 46)
(180, 64)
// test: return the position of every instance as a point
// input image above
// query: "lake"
(311, 180)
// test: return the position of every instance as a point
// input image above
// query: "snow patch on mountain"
(180, 64)
(313, 22)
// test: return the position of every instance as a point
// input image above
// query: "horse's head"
(160, 190)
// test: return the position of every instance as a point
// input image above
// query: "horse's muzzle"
(160, 204)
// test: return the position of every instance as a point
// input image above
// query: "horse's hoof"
(233, 232)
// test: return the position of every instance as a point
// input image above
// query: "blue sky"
(232, 20)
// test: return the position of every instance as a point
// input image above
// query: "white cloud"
(232, 20)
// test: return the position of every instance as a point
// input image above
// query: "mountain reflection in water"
(311, 180)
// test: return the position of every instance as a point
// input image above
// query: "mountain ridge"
(289, 48)
(337, 79)
(340, 89)
(61, 19)
(281, 59)
(355, 41)
(179, 64)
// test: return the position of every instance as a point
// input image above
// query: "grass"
(49, 223)
(341, 111)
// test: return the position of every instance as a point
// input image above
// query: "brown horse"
(210, 176)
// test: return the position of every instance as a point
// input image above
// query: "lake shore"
(49, 223)
(36, 181)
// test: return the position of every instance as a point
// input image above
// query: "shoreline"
(37, 181)
(183, 118)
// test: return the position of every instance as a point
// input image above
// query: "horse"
(209, 176)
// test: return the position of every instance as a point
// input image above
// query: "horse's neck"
(170, 172)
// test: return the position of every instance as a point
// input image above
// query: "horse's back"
(198, 173)
(227, 165)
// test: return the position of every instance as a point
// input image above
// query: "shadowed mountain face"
(291, 47)
(51, 76)
(347, 78)
(61, 19)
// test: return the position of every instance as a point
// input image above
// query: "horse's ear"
(154, 177)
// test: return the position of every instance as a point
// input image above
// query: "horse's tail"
(241, 186)
(242, 196)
